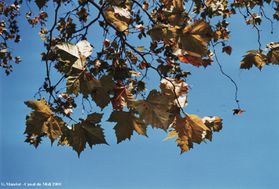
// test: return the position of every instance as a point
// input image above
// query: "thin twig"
(226, 75)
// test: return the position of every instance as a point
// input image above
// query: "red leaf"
(122, 96)
(195, 61)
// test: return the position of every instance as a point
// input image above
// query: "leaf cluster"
(115, 74)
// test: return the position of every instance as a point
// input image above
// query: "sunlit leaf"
(42, 122)
(255, 58)
(155, 110)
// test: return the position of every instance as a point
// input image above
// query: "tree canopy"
(113, 74)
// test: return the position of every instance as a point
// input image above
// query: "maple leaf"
(102, 94)
(122, 97)
(194, 60)
(34, 140)
(127, 123)
(81, 82)
(195, 37)
(39, 106)
(74, 54)
(87, 131)
(190, 129)
(94, 118)
(78, 139)
(191, 58)
(174, 12)
(175, 89)
(192, 40)
(255, 58)
(119, 17)
(42, 122)
(157, 32)
(155, 110)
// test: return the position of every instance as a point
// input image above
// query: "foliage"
(114, 72)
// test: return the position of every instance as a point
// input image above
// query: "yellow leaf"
(140, 48)
(171, 135)
(39, 106)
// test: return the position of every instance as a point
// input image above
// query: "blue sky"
(243, 155)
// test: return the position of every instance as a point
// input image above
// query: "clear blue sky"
(243, 155)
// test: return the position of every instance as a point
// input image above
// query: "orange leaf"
(195, 61)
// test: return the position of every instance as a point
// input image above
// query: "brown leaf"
(42, 122)
(190, 129)
(155, 110)
(214, 123)
(227, 49)
(195, 37)
(118, 17)
(238, 111)
(41, 3)
(122, 97)
(87, 131)
(102, 94)
(175, 89)
(78, 141)
(127, 122)
(255, 58)
(273, 54)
